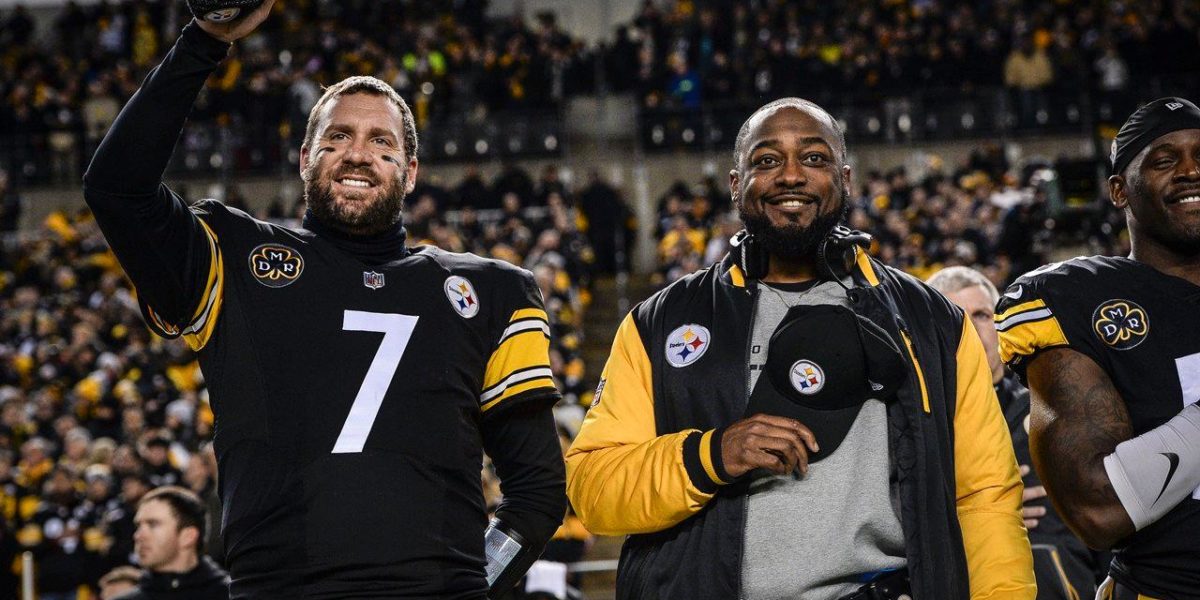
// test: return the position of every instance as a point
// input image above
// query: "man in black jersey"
(355, 382)
(1110, 348)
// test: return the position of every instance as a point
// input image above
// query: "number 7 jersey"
(352, 404)
(1142, 327)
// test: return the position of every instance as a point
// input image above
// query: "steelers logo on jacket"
(687, 344)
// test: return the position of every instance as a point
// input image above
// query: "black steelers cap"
(1148, 123)
(823, 363)
(220, 11)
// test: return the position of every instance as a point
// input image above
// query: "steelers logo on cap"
(223, 15)
(462, 296)
(687, 344)
(807, 377)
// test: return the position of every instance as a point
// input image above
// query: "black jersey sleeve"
(524, 447)
(518, 370)
(1042, 310)
(518, 428)
(169, 253)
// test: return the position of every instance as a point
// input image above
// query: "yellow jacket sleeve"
(987, 483)
(622, 477)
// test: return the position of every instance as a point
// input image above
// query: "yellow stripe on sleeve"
(522, 360)
(204, 319)
(1026, 339)
(204, 322)
(1020, 308)
(528, 313)
(706, 457)
(509, 392)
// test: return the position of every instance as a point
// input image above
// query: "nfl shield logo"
(373, 280)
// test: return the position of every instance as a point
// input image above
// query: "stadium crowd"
(59, 91)
(685, 53)
(95, 411)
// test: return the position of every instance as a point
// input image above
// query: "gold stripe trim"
(529, 313)
(529, 348)
(1025, 339)
(920, 373)
(706, 457)
(532, 384)
(1020, 308)
(737, 276)
(868, 270)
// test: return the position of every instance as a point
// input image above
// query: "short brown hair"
(364, 84)
(185, 505)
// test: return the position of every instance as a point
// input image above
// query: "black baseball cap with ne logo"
(823, 363)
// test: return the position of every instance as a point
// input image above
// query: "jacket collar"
(862, 271)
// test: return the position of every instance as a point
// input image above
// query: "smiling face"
(355, 169)
(791, 184)
(1160, 193)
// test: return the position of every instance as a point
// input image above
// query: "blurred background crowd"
(60, 90)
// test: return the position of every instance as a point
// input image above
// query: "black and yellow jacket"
(643, 462)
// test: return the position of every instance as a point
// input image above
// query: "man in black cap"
(798, 420)
(1110, 348)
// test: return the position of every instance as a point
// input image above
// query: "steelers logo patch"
(462, 296)
(807, 377)
(276, 265)
(1121, 324)
(687, 344)
(223, 15)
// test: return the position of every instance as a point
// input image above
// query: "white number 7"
(396, 330)
(1189, 381)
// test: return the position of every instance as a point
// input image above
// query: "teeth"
(1190, 199)
(354, 183)
(792, 203)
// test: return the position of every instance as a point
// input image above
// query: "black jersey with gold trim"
(350, 403)
(1143, 328)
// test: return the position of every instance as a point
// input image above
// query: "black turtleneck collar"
(374, 249)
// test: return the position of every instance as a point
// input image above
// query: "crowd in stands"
(61, 88)
(685, 53)
(95, 410)
(981, 214)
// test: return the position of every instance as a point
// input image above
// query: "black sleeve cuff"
(702, 460)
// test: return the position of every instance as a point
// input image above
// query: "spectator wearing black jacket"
(170, 531)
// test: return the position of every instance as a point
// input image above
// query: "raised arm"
(1076, 419)
(171, 256)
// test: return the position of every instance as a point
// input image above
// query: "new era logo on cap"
(1174, 105)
